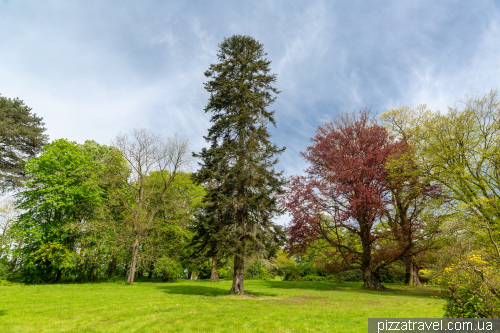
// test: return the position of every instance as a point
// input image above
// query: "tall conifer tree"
(242, 184)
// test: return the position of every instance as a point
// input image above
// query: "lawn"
(203, 306)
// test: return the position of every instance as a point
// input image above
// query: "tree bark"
(151, 269)
(371, 279)
(112, 267)
(82, 277)
(214, 275)
(135, 250)
(58, 277)
(411, 277)
(190, 273)
(239, 269)
(94, 273)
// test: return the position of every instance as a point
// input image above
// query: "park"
(243, 214)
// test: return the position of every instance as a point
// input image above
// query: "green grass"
(199, 306)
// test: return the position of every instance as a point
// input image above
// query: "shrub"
(256, 271)
(394, 274)
(169, 268)
(354, 275)
(307, 271)
(471, 289)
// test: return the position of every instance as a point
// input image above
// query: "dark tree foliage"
(237, 168)
(21, 137)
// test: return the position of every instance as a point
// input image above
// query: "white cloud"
(93, 69)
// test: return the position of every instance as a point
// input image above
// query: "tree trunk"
(190, 273)
(140, 273)
(151, 268)
(239, 269)
(58, 277)
(371, 279)
(135, 250)
(411, 277)
(112, 267)
(90, 278)
(14, 259)
(83, 271)
(214, 275)
(93, 273)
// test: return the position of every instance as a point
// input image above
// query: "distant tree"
(153, 165)
(21, 137)
(237, 168)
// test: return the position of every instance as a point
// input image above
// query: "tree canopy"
(21, 137)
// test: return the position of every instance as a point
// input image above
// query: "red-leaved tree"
(345, 194)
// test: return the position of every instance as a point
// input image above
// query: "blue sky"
(94, 68)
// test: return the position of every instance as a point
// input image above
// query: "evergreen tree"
(242, 184)
(21, 137)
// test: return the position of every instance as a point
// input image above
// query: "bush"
(315, 278)
(354, 275)
(256, 271)
(169, 268)
(306, 271)
(393, 274)
(471, 289)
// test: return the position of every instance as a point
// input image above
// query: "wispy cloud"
(92, 69)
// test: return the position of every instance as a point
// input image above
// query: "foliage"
(61, 196)
(414, 216)
(461, 149)
(237, 168)
(343, 196)
(471, 288)
(21, 137)
(140, 191)
(257, 271)
(49, 258)
(169, 268)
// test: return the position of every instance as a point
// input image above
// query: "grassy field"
(199, 306)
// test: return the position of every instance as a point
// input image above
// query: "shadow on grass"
(2, 312)
(204, 291)
(350, 287)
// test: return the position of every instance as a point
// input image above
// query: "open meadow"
(202, 306)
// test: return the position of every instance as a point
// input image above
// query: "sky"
(95, 68)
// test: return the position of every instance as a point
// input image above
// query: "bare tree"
(153, 163)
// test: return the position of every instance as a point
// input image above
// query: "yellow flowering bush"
(471, 288)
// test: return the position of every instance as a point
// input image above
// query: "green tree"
(60, 198)
(141, 190)
(165, 244)
(462, 150)
(21, 137)
(238, 166)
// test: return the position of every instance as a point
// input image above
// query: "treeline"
(412, 196)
